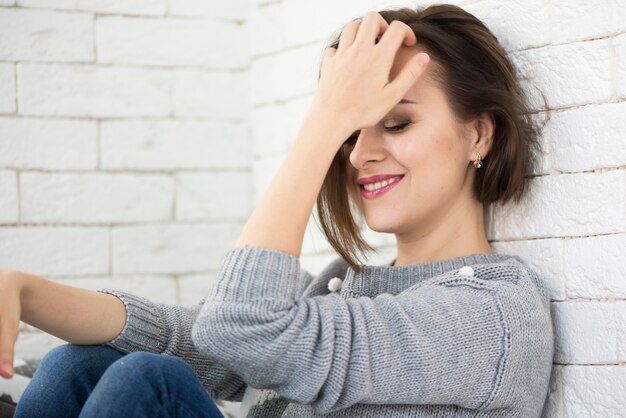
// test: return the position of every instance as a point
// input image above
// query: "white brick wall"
(135, 138)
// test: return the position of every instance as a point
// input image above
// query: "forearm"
(280, 218)
(75, 315)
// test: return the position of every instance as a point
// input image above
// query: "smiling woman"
(450, 329)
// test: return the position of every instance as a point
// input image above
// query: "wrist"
(333, 125)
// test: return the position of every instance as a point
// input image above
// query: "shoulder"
(313, 285)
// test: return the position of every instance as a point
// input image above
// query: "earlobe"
(484, 127)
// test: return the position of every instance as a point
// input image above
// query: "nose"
(369, 148)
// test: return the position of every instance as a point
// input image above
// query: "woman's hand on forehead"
(354, 88)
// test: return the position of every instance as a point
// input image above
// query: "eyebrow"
(403, 101)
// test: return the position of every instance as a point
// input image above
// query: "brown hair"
(473, 70)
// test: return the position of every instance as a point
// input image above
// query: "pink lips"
(371, 194)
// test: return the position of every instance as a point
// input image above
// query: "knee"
(143, 364)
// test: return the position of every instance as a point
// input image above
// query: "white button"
(466, 271)
(334, 284)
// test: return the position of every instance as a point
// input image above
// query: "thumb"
(409, 74)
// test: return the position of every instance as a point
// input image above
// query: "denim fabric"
(99, 381)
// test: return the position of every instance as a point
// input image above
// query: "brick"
(172, 249)
(275, 126)
(214, 94)
(92, 91)
(545, 139)
(307, 22)
(95, 198)
(595, 266)
(565, 205)
(594, 391)
(263, 171)
(588, 138)
(619, 43)
(516, 25)
(135, 40)
(49, 144)
(8, 197)
(620, 330)
(232, 10)
(569, 75)
(545, 256)
(194, 287)
(135, 7)
(41, 35)
(266, 23)
(213, 196)
(7, 2)
(55, 250)
(584, 332)
(173, 145)
(285, 75)
(7, 88)
(579, 19)
(158, 289)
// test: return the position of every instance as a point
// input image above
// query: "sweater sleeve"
(160, 328)
(453, 340)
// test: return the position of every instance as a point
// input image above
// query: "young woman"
(417, 123)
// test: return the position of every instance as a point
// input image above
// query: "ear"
(480, 135)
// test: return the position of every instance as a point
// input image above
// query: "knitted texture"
(417, 340)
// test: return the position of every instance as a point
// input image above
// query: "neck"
(458, 232)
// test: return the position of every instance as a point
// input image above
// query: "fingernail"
(7, 367)
(422, 58)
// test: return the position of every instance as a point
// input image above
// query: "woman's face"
(424, 149)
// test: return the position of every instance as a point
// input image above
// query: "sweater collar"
(374, 280)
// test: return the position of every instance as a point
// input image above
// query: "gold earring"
(478, 162)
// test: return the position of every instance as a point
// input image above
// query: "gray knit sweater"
(424, 340)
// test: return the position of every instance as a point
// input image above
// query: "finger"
(8, 336)
(409, 74)
(399, 33)
(348, 34)
(372, 27)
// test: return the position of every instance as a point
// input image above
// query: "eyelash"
(397, 128)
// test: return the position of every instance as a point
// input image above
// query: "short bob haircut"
(472, 68)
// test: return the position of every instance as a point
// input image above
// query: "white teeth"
(375, 186)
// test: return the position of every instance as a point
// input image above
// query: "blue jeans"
(99, 381)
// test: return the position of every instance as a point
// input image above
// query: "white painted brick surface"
(517, 25)
(7, 2)
(140, 7)
(171, 42)
(596, 266)
(589, 138)
(238, 11)
(288, 75)
(7, 88)
(219, 196)
(213, 94)
(45, 35)
(594, 391)
(275, 126)
(92, 91)
(569, 75)
(194, 287)
(585, 332)
(579, 19)
(8, 197)
(48, 144)
(566, 205)
(50, 251)
(619, 43)
(171, 145)
(95, 198)
(172, 248)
